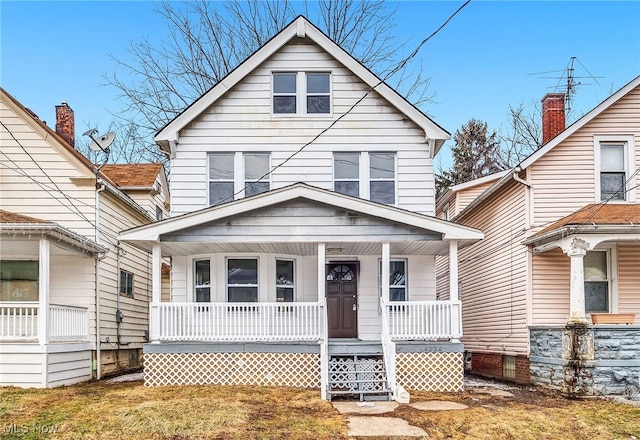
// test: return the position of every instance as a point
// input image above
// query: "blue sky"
(480, 63)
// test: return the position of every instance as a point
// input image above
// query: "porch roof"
(292, 219)
(21, 227)
(621, 221)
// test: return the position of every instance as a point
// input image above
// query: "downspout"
(517, 178)
(98, 260)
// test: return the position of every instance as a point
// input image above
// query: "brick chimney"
(552, 116)
(65, 123)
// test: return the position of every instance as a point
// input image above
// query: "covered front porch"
(293, 272)
(45, 317)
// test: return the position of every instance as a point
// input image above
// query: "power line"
(399, 66)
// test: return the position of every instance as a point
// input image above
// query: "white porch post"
(324, 342)
(44, 264)
(576, 253)
(453, 271)
(385, 272)
(156, 289)
(43, 291)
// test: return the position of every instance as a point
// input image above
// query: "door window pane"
(242, 279)
(203, 280)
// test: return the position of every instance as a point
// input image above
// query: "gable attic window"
(614, 166)
(301, 93)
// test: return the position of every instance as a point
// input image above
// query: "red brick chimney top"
(65, 123)
(553, 120)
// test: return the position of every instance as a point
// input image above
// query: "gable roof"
(167, 136)
(141, 175)
(12, 217)
(152, 232)
(560, 138)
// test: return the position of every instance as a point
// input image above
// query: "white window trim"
(629, 162)
(301, 95)
(611, 252)
(238, 173)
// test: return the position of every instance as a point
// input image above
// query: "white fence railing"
(424, 320)
(238, 321)
(20, 321)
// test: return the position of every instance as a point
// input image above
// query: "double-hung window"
(221, 177)
(231, 174)
(126, 283)
(285, 280)
(382, 178)
(202, 280)
(615, 167)
(596, 282)
(397, 280)
(301, 93)
(346, 173)
(242, 279)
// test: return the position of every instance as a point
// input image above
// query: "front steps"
(356, 370)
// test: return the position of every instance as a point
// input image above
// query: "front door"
(342, 300)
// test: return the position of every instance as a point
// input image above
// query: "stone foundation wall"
(587, 360)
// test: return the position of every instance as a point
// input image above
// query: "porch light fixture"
(334, 251)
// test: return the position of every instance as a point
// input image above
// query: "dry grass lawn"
(129, 410)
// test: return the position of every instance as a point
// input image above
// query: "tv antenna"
(567, 80)
(102, 143)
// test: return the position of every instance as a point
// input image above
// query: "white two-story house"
(302, 233)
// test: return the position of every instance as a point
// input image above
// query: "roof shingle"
(131, 175)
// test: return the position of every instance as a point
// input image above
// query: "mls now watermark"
(14, 428)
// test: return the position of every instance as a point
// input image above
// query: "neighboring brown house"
(560, 262)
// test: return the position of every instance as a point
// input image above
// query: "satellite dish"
(102, 143)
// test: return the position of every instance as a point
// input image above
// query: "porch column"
(576, 252)
(321, 270)
(453, 270)
(156, 289)
(324, 318)
(43, 291)
(385, 272)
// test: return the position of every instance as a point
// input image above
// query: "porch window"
(596, 282)
(18, 280)
(221, 183)
(202, 280)
(126, 283)
(397, 280)
(285, 281)
(346, 173)
(256, 166)
(382, 178)
(242, 280)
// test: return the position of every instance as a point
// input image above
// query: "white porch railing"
(19, 321)
(424, 320)
(238, 321)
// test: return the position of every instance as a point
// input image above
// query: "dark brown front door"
(342, 300)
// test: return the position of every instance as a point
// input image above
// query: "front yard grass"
(128, 410)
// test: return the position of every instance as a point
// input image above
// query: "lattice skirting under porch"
(275, 369)
(430, 371)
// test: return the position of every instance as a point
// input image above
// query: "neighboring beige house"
(560, 261)
(74, 299)
(302, 235)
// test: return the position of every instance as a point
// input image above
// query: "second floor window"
(301, 93)
(382, 178)
(232, 175)
(346, 173)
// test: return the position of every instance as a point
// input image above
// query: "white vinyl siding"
(629, 279)
(242, 121)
